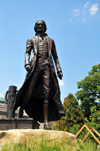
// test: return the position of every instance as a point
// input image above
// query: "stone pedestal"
(20, 123)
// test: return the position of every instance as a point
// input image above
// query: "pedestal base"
(20, 123)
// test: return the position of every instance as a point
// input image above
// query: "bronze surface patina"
(40, 92)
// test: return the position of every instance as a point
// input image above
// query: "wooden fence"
(90, 129)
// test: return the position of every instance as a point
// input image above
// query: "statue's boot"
(47, 126)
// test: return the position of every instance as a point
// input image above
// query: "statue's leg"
(20, 114)
(45, 108)
(46, 92)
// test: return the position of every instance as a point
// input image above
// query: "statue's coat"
(34, 107)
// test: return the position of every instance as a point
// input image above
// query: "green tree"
(89, 93)
(74, 117)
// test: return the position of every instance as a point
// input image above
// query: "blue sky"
(74, 25)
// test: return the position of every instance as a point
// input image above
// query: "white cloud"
(93, 10)
(83, 14)
(61, 82)
(76, 12)
(86, 5)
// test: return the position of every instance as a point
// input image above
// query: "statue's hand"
(28, 67)
(60, 74)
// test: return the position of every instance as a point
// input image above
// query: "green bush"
(74, 129)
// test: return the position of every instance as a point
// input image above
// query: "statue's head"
(40, 26)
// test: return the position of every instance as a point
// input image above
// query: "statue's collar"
(41, 35)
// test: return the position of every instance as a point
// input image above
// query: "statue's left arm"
(56, 60)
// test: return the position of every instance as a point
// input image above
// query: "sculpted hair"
(35, 27)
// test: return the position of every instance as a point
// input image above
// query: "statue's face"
(40, 27)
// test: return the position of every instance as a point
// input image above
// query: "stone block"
(20, 123)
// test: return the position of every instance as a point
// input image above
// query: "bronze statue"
(40, 93)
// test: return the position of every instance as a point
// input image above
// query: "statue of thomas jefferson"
(40, 93)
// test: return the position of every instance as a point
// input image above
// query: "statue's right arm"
(27, 54)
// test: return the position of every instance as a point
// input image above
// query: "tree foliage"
(74, 118)
(89, 93)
